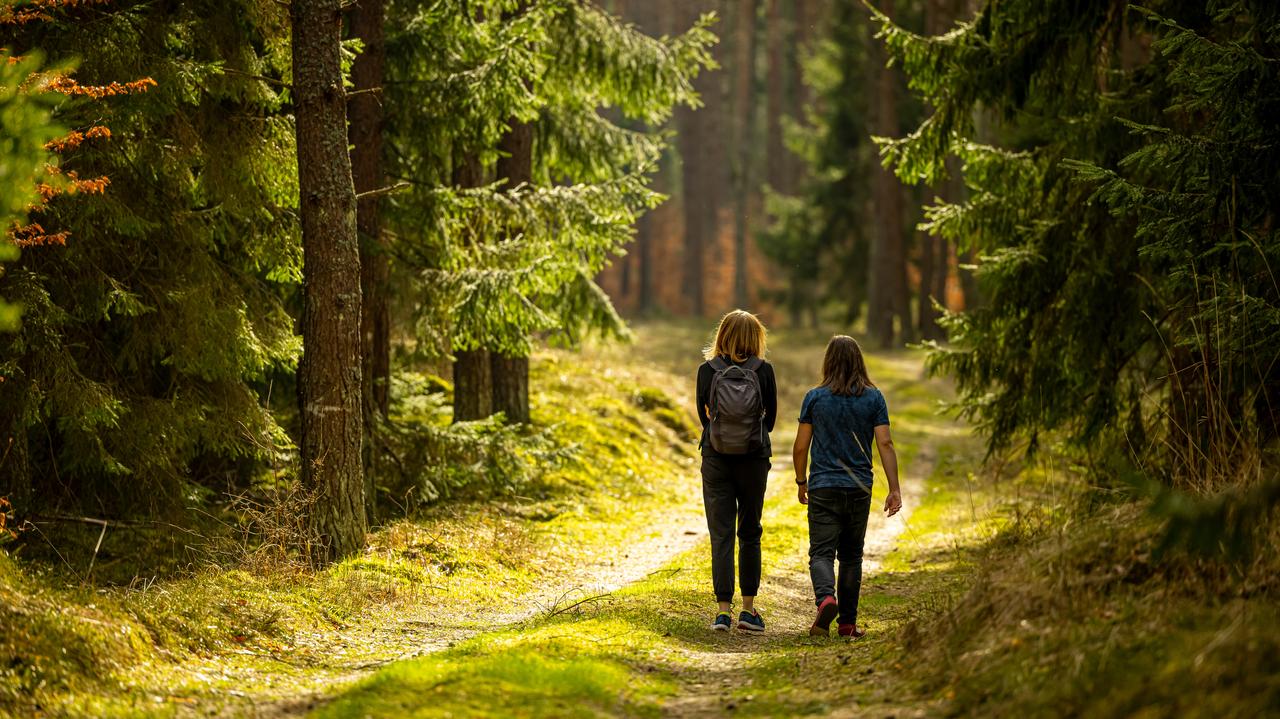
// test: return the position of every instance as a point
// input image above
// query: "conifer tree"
(505, 261)
(132, 385)
(24, 153)
(364, 107)
(28, 128)
(1126, 225)
(830, 218)
(329, 376)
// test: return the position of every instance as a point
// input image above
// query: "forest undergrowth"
(239, 623)
(1012, 589)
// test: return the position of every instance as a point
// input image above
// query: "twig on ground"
(579, 603)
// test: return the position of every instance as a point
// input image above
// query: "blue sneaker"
(751, 621)
(723, 621)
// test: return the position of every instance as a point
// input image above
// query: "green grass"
(151, 647)
(648, 643)
(1001, 597)
(1078, 616)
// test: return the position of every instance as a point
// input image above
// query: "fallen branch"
(382, 191)
(578, 603)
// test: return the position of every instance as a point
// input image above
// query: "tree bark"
(365, 135)
(702, 149)
(472, 375)
(887, 282)
(935, 255)
(748, 20)
(654, 18)
(365, 112)
(781, 40)
(329, 376)
(511, 387)
(510, 373)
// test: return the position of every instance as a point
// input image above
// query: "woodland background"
(288, 286)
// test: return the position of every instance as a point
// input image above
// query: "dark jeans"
(837, 528)
(733, 493)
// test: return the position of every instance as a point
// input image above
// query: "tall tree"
(472, 368)
(782, 94)
(744, 186)
(887, 270)
(510, 370)
(1126, 227)
(364, 110)
(28, 126)
(329, 377)
(934, 258)
(137, 383)
(704, 157)
(830, 217)
(654, 19)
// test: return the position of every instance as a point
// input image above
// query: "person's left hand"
(802, 493)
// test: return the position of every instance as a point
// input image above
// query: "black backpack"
(735, 407)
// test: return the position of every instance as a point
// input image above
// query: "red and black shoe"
(852, 631)
(827, 610)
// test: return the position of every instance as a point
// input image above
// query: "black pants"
(733, 493)
(837, 528)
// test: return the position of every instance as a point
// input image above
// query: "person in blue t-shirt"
(839, 420)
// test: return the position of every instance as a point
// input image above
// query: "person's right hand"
(892, 503)
(802, 493)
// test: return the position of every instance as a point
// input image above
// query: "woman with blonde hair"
(737, 399)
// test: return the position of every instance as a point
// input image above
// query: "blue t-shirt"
(843, 436)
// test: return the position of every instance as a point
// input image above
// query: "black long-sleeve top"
(768, 390)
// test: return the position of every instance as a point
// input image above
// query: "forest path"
(601, 572)
(644, 648)
(785, 601)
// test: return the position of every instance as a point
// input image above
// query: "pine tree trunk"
(781, 39)
(748, 20)
(365, 135)
(472, 385)
(511, 372)
(651, 18)
(644, 255)
(329, 381)
(511, 387)
(886, 280)
(926, 322)
(935, 254)
(365, 112)
(704, 155)
(472, 374)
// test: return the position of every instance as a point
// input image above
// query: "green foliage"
(1127, 232)
(608, 471)
(146, 338)
(498, 264)
(27, 127)
(830, 219)
(439, 459)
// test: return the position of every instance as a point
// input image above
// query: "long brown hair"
(739, 336)
(844, 371)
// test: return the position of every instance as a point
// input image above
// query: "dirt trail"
(785, 599)
(602, 571)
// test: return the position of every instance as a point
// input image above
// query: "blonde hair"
(739, 336)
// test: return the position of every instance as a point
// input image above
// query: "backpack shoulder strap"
(753, 363)
(718, 364)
